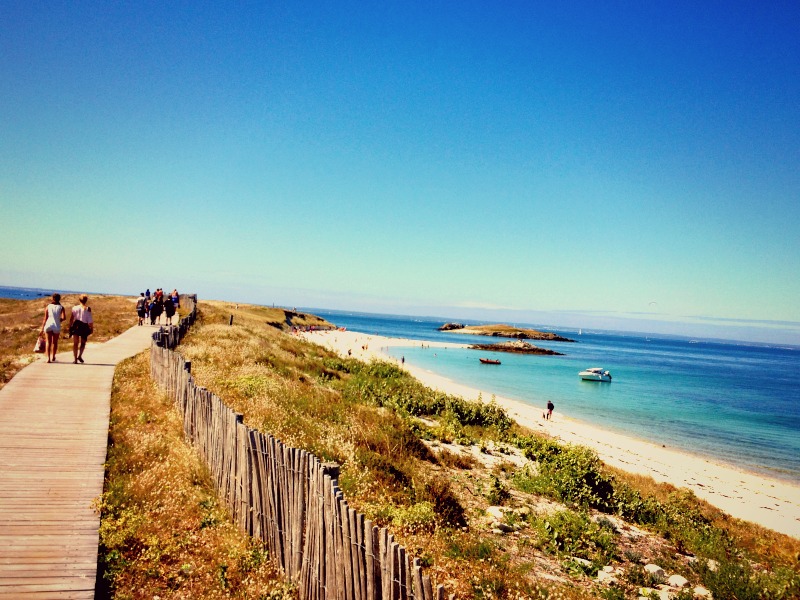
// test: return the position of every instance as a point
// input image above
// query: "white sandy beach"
(769, 502)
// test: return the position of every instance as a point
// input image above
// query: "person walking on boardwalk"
(141, 308)
(54, 314)
(169, 310)
(81, 325)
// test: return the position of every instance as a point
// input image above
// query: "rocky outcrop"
(506, 331)
(516, 347)
(451, 326)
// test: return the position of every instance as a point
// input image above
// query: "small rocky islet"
(500, 330)
(518, 346)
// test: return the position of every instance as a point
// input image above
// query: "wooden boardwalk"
(53, 437)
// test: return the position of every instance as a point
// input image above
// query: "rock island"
(507, 331)
(516, 347)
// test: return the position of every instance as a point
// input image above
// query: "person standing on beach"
(550, 407)
(81, 325)
(54, 315)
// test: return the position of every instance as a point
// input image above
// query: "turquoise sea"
(735, 403)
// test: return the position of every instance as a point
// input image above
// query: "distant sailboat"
(580, 331)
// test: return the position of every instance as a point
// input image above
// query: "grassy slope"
(163, 532)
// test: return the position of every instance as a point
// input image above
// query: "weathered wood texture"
(288, 499)
(53, 438)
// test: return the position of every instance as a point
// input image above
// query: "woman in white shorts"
(54, 314)
(81, 324)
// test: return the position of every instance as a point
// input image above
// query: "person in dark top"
(169, 310)
(550, 407)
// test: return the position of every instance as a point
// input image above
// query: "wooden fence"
(286, 497)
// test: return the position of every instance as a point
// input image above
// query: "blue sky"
(625, 165)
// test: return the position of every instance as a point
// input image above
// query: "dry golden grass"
(21, 321)
(163, 533)
(294, 390)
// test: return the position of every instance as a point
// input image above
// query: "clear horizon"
(693, 327)
(618, 165)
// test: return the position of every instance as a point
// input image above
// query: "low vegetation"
(163, 532)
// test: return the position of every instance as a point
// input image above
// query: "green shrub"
(416, 518)
(384, 384)
(737, 579)
(497, 493)
(575, 534)
(471, 550)
(571, 474)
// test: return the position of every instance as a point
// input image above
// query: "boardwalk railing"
(287, 498)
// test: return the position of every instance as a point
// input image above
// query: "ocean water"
(17, 293)
(735, 403)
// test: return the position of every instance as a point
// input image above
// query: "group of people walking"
(150, 308)
(81, 326)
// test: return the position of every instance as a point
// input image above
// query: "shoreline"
(770, 502)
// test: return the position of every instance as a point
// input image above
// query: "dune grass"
(163, 533)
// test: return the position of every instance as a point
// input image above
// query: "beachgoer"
(54, 314)
(169, 310)
(402, 360)
(176, 299)
(550, 407)
(155, 311)
(141, 308)
(81, 325)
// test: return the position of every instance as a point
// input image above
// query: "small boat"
(489, 361)
(595, 374)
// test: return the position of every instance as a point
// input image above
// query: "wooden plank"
(53, 438)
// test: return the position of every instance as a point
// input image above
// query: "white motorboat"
(595, 374)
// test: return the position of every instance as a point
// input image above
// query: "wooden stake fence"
(286, 497)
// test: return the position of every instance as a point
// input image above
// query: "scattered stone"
(655, 570)
(606, 577)
(608, 569)
(498, 531)
(581, 561)
(712, 565)
(496, 512)
(505, 528)
(701, 592)
(678, 581)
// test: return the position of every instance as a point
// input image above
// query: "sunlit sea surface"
(735, 403)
